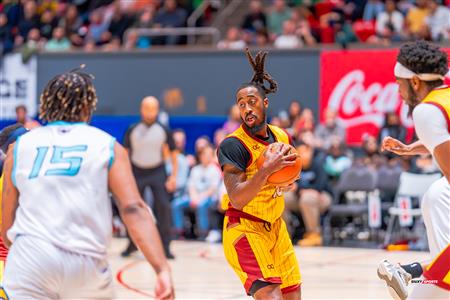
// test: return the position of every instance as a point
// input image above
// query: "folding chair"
(411, 185)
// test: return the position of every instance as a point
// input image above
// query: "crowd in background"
(51, 25)
(196, 198)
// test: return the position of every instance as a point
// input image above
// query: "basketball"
(286, 175)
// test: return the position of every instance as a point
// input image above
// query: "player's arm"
(397, 147)
(138, 219)
(240, 190)
(10, 197)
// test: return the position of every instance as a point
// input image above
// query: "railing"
(227, 12)
(189, 31)
(193, 18)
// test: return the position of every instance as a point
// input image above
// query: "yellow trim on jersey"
(1, 191)
(441, 99)
(268, 204)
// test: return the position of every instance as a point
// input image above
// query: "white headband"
(401, 71)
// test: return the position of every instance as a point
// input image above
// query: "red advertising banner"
(360, 86)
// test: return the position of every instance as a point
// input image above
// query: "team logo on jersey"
(3, 295)
(256, 147)
(278, 192)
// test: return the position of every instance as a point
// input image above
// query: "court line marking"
(127, 286)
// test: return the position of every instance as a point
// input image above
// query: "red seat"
(364, 29)
(327, 35)
(323, 8)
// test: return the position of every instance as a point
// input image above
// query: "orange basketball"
(286, 175)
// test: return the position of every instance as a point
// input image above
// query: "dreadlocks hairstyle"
(424, 57)
(68, 96)
(260, 75)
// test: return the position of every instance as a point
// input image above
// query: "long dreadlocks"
(68, 97)
(260, 75)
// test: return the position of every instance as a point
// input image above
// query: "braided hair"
(260, 75)
(68, 97)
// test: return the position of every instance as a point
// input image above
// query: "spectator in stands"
(23, 118)
(29, 21)
(389, 24)
(336, 161)
(279, 13)
(294, 112)
(234, 120)
(113, 45)
(179, 138)
(145, 20)
(59, 41)
(120, 21)
(262, 39)
(416, 20)
(233, 40)
(372, 9)
(89, 46)
(33, 44)
(72, 24)
(288, 39)
(203, 184)
(330, 130)
(304, 123)
(47, 23)
(6, 37)
(302, 28)
(255, 20)
(438, 21)
(96, 27)
(200, 143)
(392, 127)
(314, 197)
(369, 153)
(171, 16)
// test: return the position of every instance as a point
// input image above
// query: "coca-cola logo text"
(357, 104)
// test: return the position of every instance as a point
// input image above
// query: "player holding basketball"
(56, 209)
(255, 239)
(420, 71)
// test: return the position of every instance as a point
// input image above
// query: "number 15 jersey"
(61, 173)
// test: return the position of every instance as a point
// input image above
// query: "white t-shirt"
(288, 42)
(430, 125)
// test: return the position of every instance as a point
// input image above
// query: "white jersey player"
(56, 209)
(420, 71)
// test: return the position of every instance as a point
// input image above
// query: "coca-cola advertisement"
(360, 86)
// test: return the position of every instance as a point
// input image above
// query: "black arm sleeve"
(232, 151)
(126, 138)
(170, 141)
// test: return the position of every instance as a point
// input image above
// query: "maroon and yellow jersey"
(441, 99)
(268, 205)
(439, 269)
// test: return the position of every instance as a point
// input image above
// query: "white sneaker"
(396, 279)
(214, 236)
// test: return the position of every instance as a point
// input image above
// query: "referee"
(145, 142)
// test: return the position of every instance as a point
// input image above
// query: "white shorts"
(436, 215)
(36, 269)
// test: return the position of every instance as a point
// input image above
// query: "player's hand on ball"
(279, 159)
(164, 286)
(395, 146)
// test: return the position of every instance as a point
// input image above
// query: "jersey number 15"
(58, 156)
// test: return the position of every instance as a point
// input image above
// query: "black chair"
(351, 194)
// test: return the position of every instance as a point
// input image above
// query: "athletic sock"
(415, 269)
